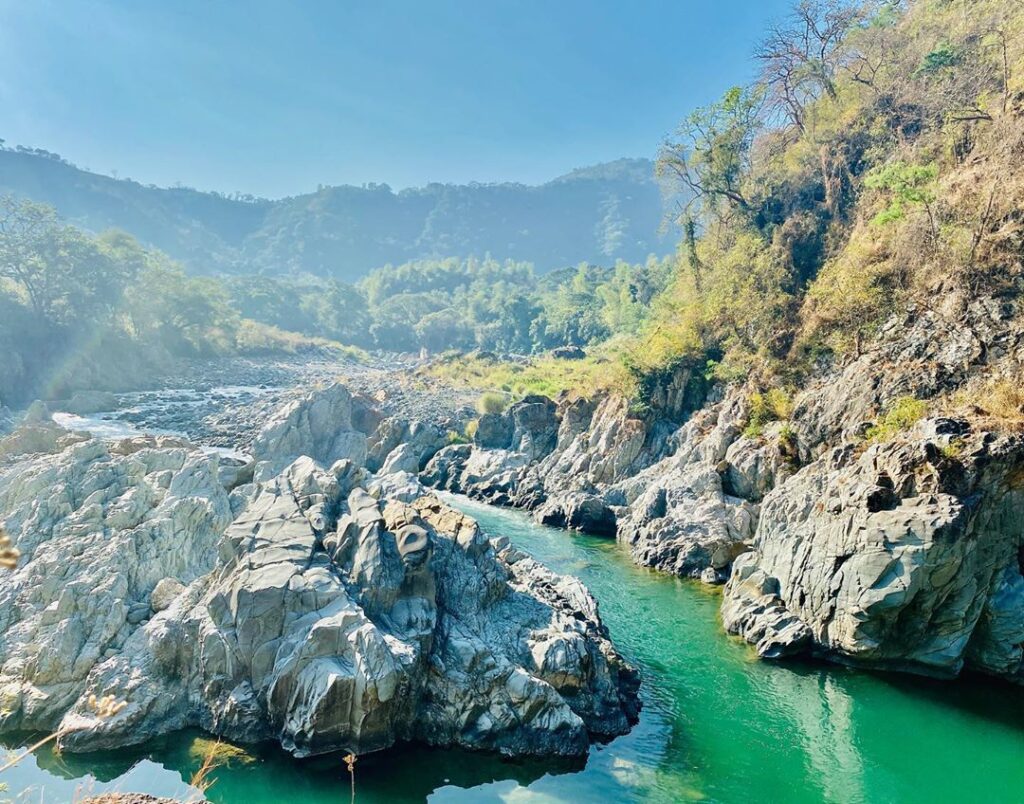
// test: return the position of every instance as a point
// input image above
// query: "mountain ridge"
(599, 213)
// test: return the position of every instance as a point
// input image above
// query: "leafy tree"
(711, 156)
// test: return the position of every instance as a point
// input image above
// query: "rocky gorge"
(901, 552)
(313, 591)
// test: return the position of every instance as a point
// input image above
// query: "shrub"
(454, 437)
(471, 427)
(900, 416)
(491, 402)
(773, 405)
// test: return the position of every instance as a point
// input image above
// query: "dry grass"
(1000, 400)
(214, 754)
(9, 554)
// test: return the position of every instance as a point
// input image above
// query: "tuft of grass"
(219, 752)
(492, 402)
(456, 438)
(901, 415)
(954, 449)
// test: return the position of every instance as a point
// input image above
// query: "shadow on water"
(266, 773)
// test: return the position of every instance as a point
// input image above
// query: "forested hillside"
(874, 166)
(598, 214)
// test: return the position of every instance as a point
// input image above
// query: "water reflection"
(822, 716)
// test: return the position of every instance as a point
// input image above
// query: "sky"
(274, 98)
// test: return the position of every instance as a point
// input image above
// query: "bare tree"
(801, 56)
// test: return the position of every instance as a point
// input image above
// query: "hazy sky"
(272, 98)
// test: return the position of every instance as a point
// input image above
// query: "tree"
(801, 56)
(711, 156)
(65, 275)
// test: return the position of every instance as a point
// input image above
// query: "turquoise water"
(717, 724)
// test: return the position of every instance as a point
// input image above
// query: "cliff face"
(899, 550)
(905, 557)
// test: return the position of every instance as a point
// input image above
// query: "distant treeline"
(83, 311)
(460, 303)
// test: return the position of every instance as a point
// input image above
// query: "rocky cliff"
(902, 550)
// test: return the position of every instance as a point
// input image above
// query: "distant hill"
(596, 214)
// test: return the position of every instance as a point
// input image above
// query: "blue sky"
(273, 98)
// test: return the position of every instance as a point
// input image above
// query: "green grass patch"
(901, 416)
(545, 375)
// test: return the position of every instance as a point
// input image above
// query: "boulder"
(37, 438)
(414, 445)
(319, 425)
(587, 513)
(494, 431)
(904, 557)
(164, 593)
(534, 426)
(568, 353)
(444, 470)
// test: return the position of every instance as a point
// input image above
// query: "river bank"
(716, 725)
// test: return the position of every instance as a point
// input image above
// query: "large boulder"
(534, 426)
(319, 425)
(494, 431)
(409, 446)
(587, 513)
(906, 557)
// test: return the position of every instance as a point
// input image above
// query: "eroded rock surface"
(299, 608)
(906, 557)
(318, 425)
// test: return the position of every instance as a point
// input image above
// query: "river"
(717, 724)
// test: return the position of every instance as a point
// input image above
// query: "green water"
(717, 724)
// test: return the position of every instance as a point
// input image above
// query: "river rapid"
(717, 724)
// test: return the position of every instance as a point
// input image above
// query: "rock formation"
(318, 425)
(298, 608)
(906, 557)
(902, 555)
